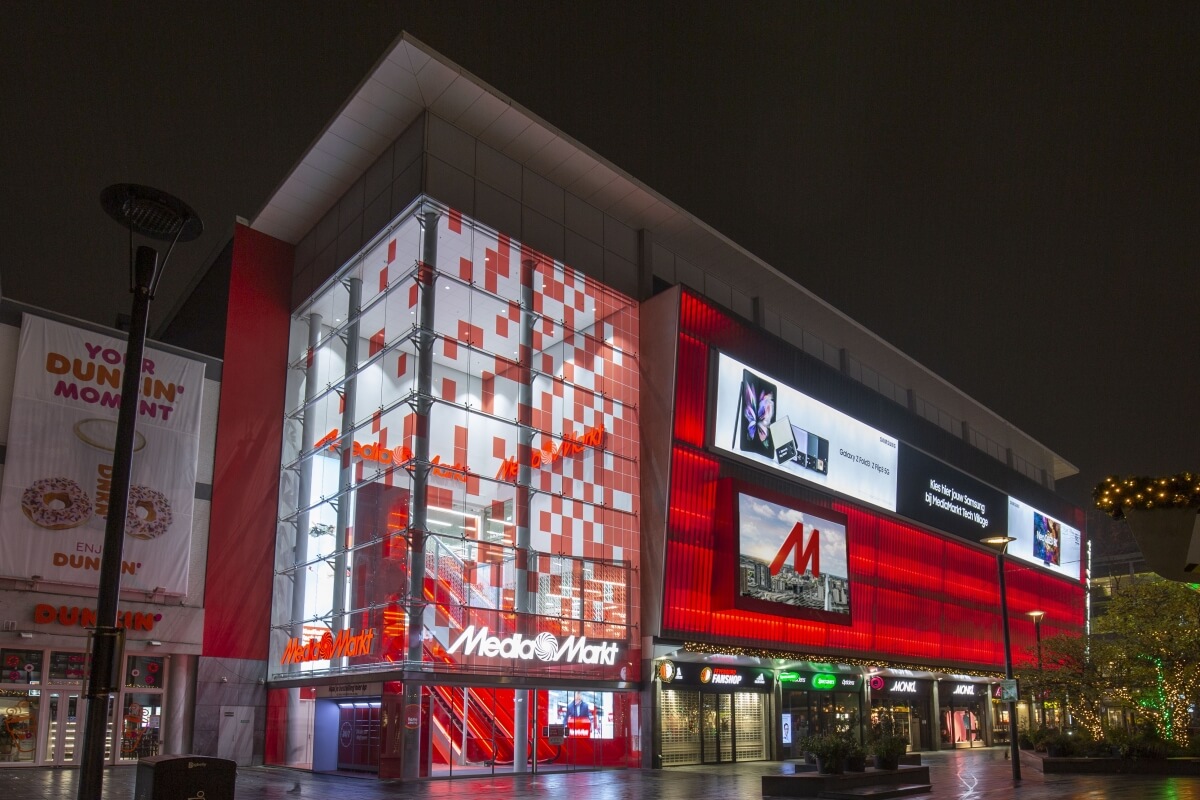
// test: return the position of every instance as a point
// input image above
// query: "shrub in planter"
(856, 756)
(887, 749)
(830, 751)
(1059, 744)
(886, 743)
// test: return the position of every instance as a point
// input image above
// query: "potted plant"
(886, 744)
(1058, 744)
(856, 756)
(830, 751)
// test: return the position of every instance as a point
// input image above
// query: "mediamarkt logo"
(544, 647)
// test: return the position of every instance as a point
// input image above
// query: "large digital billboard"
(768, 423)
(1043, 540)
(938, 495)
(792, 560)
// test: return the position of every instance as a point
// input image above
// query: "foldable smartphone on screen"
(756, 414)
(794, 444)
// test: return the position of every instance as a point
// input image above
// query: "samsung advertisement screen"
(771, 424)
(789, 557)
(1043, 540)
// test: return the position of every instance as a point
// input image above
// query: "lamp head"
(1036, 615)
(1000, 543)
(151, 213)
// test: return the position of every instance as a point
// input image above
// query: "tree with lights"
(1150, 634)
(1069, 675)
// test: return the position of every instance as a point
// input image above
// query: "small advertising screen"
(792, 559)
(1043, 540)
(583, 714)
(938, 495)
(770, 424)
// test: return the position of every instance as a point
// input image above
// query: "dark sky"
(1008, 193)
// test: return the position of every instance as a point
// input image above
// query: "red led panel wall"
(916, 597)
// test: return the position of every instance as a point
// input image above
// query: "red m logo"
(806, 553)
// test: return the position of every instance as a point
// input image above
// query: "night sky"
(1008, 194)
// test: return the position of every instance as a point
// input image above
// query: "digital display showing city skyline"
(792, 559)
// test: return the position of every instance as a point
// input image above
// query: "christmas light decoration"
(754, 652)
(1116, 495)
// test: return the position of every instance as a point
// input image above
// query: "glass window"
(144, 672)
(527, 406)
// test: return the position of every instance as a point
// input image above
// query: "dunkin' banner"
(58, 466)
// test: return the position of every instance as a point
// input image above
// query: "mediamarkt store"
(570, 481)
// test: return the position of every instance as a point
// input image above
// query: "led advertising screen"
(1043, 540)
(770, 424)
(584, 714)
(938, 495)
(792, 560)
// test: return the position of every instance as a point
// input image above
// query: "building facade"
(57, 424)
(528, 469)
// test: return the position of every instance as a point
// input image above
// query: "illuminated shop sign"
(346, 643)
(964, 690)
(714, 678)
(940, 496)
(75, 616)
(890, 685)
(569, 444)
(792, 559)
(543, 647)
(821, 681)
(1043, 540)
(770, 424)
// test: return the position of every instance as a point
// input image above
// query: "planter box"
(1130, 766)
(811, 784)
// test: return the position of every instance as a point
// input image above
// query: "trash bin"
(185, 777)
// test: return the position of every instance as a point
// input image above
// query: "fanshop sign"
(714, 678)
(543, 647)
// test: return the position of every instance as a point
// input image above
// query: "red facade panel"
(917, 597)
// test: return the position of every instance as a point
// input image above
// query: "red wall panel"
(916, 597)
(241, 541)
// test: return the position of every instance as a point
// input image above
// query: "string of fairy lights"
(1116, 495)
(756, 652)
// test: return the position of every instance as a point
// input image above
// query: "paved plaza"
(977, 774)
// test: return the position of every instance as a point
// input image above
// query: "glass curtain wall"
(460, 453)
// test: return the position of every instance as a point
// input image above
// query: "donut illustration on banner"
(149, 513)
(56, 504)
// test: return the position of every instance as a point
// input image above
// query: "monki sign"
(328, 647)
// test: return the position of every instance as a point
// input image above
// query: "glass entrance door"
(63, 731)
(716, 740)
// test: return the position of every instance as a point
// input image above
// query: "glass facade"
(459, 489)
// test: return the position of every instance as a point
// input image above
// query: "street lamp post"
(1037, 632)
(1000, 545)
(155, 215)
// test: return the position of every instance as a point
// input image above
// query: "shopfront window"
(19, 725)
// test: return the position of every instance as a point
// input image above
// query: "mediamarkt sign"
(544, 647)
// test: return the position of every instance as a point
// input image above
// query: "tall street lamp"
(154, 215)
(1037, 631)
(1000, 545)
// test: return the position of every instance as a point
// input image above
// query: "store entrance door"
(63, 733)
(716, 740)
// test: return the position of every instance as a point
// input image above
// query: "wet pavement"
(968, 774)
